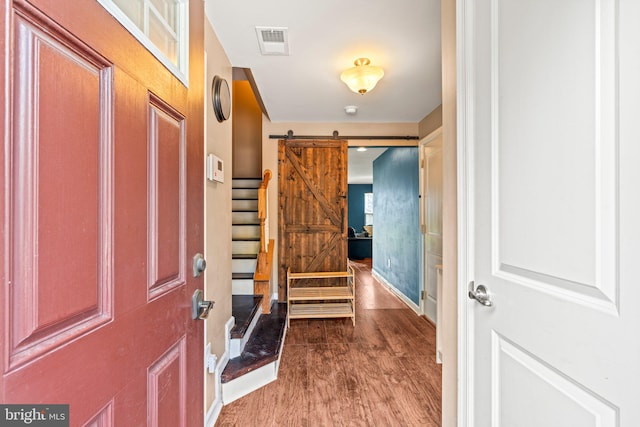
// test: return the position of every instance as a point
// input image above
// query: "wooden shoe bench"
(321, 302)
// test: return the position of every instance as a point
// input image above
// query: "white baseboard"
(216, 406)
(412, 305)
(213, 413)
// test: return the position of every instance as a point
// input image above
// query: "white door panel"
(549, 136)
(549, 398)
(431, 218)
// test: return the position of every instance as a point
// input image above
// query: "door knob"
(199, 307)
(480, 294)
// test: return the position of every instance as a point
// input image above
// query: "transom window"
(162, 26)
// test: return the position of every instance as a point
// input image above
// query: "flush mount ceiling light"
(361, 149)
(363, 77)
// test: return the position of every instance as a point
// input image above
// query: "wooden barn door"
(313, 207)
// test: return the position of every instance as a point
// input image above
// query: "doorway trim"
(424, 142)
(464, 128)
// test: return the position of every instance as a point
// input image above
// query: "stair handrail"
(263, 210)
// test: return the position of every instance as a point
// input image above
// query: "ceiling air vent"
(273, 40)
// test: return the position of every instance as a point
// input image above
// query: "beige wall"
(217, 211)
(450, 235)
(247, 132)
(270, 155)
(431, 122)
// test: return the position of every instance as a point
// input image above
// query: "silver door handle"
(480, 294)
(199, 307)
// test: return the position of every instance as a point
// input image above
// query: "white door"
(431, 218)
(549, 153)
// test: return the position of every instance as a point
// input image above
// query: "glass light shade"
(363, 77)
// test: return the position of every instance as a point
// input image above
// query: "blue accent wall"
(356, 205)
(396, 219)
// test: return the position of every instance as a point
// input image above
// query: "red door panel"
(58, 291)
(101, 215)
(167, 385)
(166, 198)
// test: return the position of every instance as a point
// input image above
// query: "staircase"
(256, 340)
(245, 234)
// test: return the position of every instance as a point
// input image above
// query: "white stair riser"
(246, 183)
(245, 231)
(244, 205)
(244, 193)
(249, 382)
(243, 265)
(236, 345)
(241, 247)
(244, 217)
(242, 287)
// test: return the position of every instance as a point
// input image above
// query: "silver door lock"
(199, 307)
(199, 264)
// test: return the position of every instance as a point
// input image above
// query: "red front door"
(101, 209)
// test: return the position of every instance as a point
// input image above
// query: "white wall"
(217, 220)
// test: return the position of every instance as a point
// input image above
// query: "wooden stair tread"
(241, 276)
(264, 345)
(243, 309)
(247, 186)
(244, 256)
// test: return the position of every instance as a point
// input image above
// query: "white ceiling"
(361, 164)
(325, 37)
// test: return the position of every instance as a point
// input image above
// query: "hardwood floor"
(382, 372)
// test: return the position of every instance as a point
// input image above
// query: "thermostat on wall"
(215, 168)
